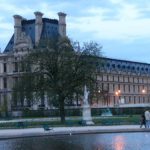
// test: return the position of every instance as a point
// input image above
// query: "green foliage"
(124, 120)
(92, 49)
(101, 121)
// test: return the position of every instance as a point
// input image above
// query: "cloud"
(5, 26)
(117, 1)
(129, 12)
(127, 51)
(4, 38)
(125, 24)
(12, 9)
(6, 29)
(99, 11)
(111, 29)
(123, 21)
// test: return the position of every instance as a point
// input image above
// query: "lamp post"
(144, 93)
(117, 93)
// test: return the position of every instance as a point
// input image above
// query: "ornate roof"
(50, 29)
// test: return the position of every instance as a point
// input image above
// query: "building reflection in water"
(119, 143)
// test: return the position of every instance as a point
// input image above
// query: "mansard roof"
(117, 65)
(50, 29)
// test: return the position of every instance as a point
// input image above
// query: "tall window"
(113, 87)
(142, 80)
(21, 67)
(124, 88)
(138, 88)
(130, 99)
(134, 88)
(108, 86)
(5, 67)
(129, 88)
(16, 67)
(107, 78)
(134, 99)
(5, 83)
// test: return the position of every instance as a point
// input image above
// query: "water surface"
(112, 141)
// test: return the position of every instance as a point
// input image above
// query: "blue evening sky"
(122, 27)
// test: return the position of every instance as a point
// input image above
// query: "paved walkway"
(32, 132)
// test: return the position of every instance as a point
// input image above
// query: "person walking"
(142, 121)
(147, 118)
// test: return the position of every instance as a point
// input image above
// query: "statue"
(86, 111)
(86, 94)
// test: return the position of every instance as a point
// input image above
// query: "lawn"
(76, 121)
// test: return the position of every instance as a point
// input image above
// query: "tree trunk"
(62, 109)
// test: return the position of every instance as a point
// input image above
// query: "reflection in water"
(119, 143)
(114, 141)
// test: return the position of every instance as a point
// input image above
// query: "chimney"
(62, 24)
(17, 27)
(38, 26)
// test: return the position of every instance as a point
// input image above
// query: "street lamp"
(143, 91)
(117, 93)
(144, 94)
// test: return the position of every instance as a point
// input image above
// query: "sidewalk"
(33, 132)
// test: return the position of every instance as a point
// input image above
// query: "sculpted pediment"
(23, 42)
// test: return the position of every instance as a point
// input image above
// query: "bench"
(82, 123)
(21, 124)
(46, 127)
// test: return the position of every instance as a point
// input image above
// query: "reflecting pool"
(111, 141)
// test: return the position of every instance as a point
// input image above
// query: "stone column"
(17, 27)
(62, 24)
(38, 26)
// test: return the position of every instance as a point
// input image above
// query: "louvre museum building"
(122, 83)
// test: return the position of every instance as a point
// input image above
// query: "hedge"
(78, 112)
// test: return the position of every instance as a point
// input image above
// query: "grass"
(75, 121)
(124, 120)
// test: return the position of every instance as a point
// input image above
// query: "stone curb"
(70, 132)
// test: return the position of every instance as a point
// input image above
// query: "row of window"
(124, 67)
(131, 99)
(124, 88)
(114, 87)
(17, 67)
(130, 79)
(5, 82)
(114, 100)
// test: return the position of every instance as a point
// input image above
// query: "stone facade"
(27, 34)
(123, 83)
(119, 82)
